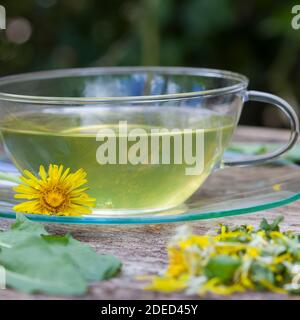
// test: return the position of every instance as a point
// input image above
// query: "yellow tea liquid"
(32, 139)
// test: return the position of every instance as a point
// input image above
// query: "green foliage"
(92, 266)
(292, 155)
(254, 38)
(234, 260)
(222, 267)
(38, 262)
(274, 226)
(32, 267)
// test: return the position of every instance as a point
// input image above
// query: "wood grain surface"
(142, 247)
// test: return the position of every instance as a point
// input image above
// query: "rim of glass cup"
(242, 83)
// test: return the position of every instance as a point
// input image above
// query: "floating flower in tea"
(57, 192)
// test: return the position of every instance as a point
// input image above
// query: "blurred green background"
(251, 37)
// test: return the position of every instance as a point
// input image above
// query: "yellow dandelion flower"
(246, 281)
(232, 261)
(177, 263)
(277, 234)
(229, 247)
(253, 252)
(56, 192)
(250, 228)
(261, 233)
(268, 285)
(227, 235)
(284, 257)
(168, 284)
(213, 285)
(201, 241)
(276, 187)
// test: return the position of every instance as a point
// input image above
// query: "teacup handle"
(294, 123)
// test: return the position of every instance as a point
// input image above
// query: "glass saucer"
(227, 192)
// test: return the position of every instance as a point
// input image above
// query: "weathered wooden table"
(142, 248)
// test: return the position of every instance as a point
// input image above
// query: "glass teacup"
(147, 137)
